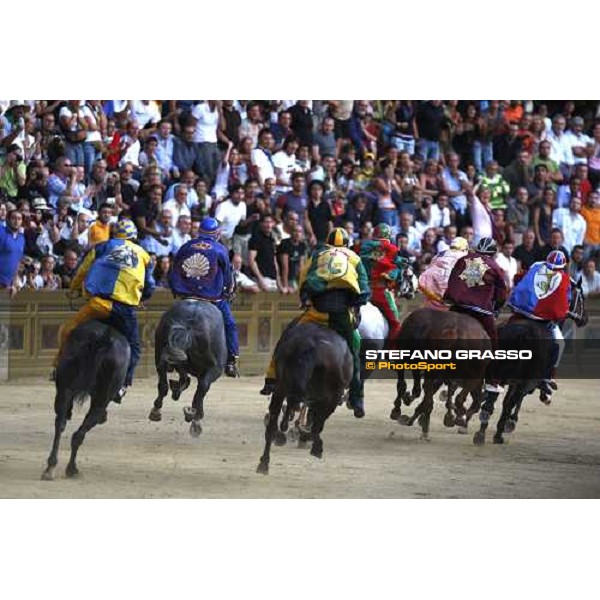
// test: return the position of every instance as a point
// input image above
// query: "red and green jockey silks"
(385, 268)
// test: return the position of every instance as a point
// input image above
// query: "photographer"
(62, 181)
(13, 171)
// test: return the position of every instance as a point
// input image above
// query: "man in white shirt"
(590, 280)
(262, 160)
(481, 216)
(207, 115)
(560, 145)
(178, 206)
(145, 112)
(182, 233)
(163, 225)
(164, 150)
(230, 212)
(508, 263)
(408, 229)
(578, 141)
(571, 223)
(439, 212)
(284, 163)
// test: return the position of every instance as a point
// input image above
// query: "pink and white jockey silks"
(434, 281)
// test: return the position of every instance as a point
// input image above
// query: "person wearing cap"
(333, 285)
(579, 141)
(477, 287)
(384, 267)
(14, 122)
(202, 270)
(114, 277)
(433, 282)
(544, 294)
(13, 172)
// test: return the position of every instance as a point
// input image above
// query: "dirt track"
(554, 453)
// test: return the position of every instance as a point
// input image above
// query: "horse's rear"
(431, 329)
(314, 365)
(189, 340)
(93, 365)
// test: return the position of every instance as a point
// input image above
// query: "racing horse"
(314, 366)
(93, 364)
(524, 377)
(189, 340)
(448, 330)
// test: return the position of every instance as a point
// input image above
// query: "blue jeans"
(124, 319)
(74, 153)
(404, 144)
(388, 216)
(483, 153)
(89, 157)
(429, 149)
(231, 332)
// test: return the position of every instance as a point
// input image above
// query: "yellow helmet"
(338, 237)
(125, 230)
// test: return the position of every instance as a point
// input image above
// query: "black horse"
(314, 365)
(190, 340)
(93, 364)
(523, 378)
(448, 330)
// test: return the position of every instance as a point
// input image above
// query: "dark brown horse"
(314, 366)
(434, 329)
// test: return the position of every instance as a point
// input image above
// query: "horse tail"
(179, 341)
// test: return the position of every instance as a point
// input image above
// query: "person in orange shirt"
(100, 229)
(513, 113)
(591, 213)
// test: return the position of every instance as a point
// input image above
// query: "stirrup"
(231, 368)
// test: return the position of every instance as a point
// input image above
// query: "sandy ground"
(555, 453)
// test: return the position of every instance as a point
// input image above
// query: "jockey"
(544, 294)
(476, 286)
(334, 284)
(384, 268)
(202, 270)
(115, 276)
(433, 282)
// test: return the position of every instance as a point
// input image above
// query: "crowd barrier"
(29, 328)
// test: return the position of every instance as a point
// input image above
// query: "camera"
(29, 269)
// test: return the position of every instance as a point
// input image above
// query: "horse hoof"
(262, 469)
(449, 420)
(195, 429)
(443, 396)
(155, 415)
(407, 398)
(463, 429)
(498, 439)
(396, 412)
(510, 426)
(48, 474)
(316, 452)
(405, 420)
(425, 437)
(72, 472)
(189, 414)
(280, 439)
(479, 438)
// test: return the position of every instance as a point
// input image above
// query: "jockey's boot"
(268, 387)
(231, 366)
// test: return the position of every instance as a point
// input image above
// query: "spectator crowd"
(279, 175)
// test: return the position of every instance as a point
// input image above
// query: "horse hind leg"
(163, 390)
(92, 418)
(178, 387)
(61, 408)
(459, 405)
(195, 413)
(321, 414)
(431, 387)
(511, 423)
(507, 407)
(449, 418)
(400, 394)
(274, 410)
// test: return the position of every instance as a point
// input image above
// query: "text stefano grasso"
(448, 354)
